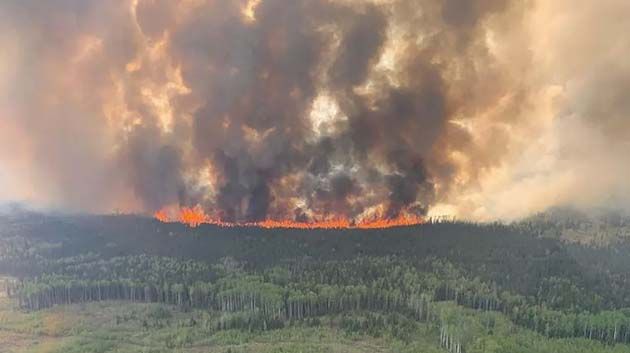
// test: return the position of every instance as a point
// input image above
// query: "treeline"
(514, 257)
(305, 290)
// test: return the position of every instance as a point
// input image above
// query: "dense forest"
(370, 281)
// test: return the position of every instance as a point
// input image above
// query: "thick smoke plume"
(315, 109)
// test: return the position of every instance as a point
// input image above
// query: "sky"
(316, 109)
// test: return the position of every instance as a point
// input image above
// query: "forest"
(461, 286)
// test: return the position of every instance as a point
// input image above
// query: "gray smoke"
(304, 109)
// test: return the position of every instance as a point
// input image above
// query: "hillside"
(464, 286)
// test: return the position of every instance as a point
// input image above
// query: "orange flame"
(400, 221)
(330, 224)
(195, 216)
(192, 216)
(161, 216)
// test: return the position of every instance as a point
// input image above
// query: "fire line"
(194, 217)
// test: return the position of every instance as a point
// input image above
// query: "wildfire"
(161, 216)
(192, 217)
(195, 216)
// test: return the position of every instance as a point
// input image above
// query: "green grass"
(119, 327)
(134, 327)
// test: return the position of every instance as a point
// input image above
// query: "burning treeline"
(254, 111)
(196, 216)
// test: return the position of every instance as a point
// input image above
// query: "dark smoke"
(252, 84)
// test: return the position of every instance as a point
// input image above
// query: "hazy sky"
(483, 109)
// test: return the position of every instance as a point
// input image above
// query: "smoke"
(315, 109)
(578, 142)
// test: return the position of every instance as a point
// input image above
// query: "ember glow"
(195, 216)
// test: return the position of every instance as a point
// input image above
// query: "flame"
(330, 224)
(195, 216)
(192, 216)
(400, 221)
(161, 216)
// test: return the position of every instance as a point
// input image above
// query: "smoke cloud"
(315, 109)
